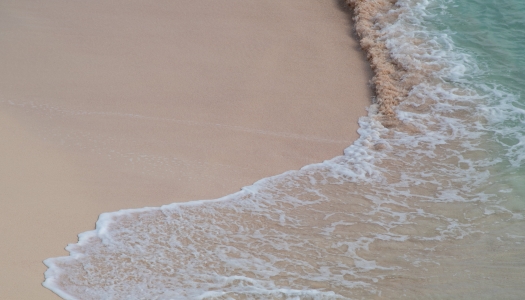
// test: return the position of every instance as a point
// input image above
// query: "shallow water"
(427, 204)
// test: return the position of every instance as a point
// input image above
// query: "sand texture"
(106, 105)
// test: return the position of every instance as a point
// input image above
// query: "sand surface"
(106, 105)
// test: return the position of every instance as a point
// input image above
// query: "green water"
(493, 33)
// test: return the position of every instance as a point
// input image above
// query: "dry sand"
(118, 104)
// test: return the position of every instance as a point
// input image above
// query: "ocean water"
(429, 202)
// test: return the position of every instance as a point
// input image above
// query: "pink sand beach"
(106, 105)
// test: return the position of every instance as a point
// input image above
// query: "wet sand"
(106, 105)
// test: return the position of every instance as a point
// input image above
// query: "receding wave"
(420, 206)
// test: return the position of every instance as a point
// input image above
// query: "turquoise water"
(493, 33)
(431, 208)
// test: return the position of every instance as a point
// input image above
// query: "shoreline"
(399, 214)
(84, 143)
